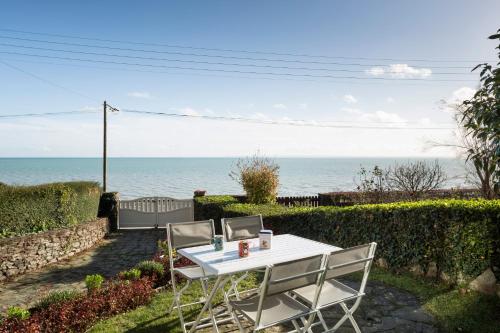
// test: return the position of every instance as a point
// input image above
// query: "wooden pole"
(104, 150)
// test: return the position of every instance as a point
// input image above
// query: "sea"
(179, 177)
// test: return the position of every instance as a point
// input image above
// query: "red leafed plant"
(78, 314)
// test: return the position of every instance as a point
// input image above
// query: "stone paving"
(119, 251)
(383, 309)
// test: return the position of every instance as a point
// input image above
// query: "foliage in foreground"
(454, 311)
(28, 209)
(462, 237)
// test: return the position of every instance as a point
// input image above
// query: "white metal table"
(226, 263)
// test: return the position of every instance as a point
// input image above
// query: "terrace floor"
(119, 251)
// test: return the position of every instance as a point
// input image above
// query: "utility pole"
(106, 106)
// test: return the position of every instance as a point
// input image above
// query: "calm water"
(178, 177)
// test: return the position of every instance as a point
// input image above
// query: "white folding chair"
(182, 235)
(333, 292)
(241, 228)
(273, 305)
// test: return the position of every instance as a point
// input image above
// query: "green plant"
(17, 313)
(259, 177)
(150, 268)
(57, 297)
(462, 237)
(93, 282)
(131, 274)
(481, 117)
(28, 209)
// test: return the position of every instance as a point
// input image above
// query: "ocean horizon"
(178, 177)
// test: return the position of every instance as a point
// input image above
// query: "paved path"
(119, 251)
(383, 309)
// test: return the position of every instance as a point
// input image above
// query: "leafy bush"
(16, 312)
(151, 268)
(27, 209)
(93, 282)
(57, 297)
(77, 315)
(461, 236)
(131, 274)
(259, 177)
(212, 206)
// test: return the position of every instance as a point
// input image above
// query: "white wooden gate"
(154, 212)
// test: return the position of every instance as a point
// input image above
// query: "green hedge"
(27, 209)
(461, 236)
(212, 207)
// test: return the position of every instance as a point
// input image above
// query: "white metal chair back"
(238, 228)
(188, 234)
(351, 260)
(291, 275)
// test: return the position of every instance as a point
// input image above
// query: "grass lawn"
(455, 312)
(152, 318)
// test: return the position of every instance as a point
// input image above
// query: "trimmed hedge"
(28, 209)
(461, 236)
(212, 207)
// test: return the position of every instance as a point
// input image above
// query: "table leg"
(219, 283)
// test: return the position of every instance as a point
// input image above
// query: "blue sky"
(401, 30)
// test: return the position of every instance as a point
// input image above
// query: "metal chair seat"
(191, 272)
(332, 292)
(275, 309)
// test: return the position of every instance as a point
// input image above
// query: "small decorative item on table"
(218, 242)
(243, 248)
(265, 238)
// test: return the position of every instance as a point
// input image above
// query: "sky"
(337, 66)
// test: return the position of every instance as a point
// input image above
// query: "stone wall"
(29, 252)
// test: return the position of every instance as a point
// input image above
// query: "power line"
(206, 62)
(45, 80)
(170, 72)
(232, 50)
(233, 71)
(30, 115)
(302, 123)
(218, 56)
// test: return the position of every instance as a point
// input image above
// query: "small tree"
(416, 178)
(372, 184)
(481, 118)
(259, 177)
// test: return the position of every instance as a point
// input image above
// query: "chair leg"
(296, 325)
(178, 305)
(351, 318)
(322, 320)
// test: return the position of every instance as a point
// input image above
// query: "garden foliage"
(28, 209)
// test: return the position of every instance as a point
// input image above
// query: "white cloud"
(456, 98)
(400, 71)
(189, 111)
(375, 71)
(350, 99)
(303, 106)
(280, 106)
(390, 100)
(140, 94)
(461, 95)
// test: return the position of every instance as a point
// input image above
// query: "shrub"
(416, 178)
(27, 209)
(15, 312)
(131, 274)
(57, 297)
(151, 268)
(212, 207)
(77, 315)
(259, 178)
(93, 282)
(461, 236)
